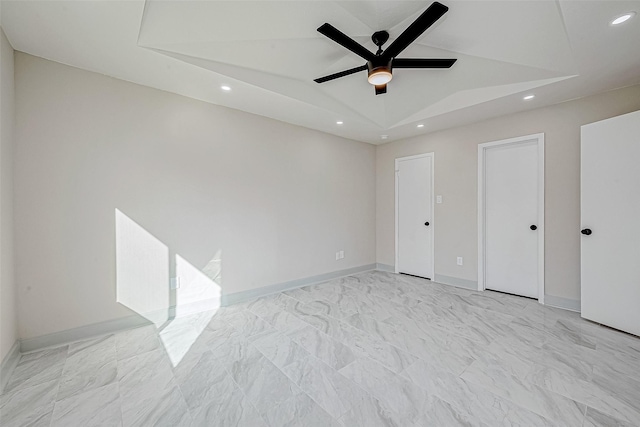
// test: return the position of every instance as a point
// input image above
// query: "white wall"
(8, 309)
(456, 155)
(272, 201)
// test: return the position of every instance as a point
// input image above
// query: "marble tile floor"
(372, 349)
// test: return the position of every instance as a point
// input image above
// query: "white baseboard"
(82, 333)
(130, 322)
(194, 307)
(564, 303)
(386, 267)
(117, 325)
(252, 294)
(9, 363)
(457, 282)
(439, 278)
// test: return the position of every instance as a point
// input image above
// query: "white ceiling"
(269, 53)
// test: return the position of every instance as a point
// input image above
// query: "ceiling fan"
(381, 64)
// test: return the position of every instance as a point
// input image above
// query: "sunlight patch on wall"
(197, 299)
(142, 271)
(213, 269)
(197, 292)
(180, 308)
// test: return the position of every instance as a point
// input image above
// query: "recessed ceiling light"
(339, 122)
(420, 125)
(528, 97)
(623, 18)
(384, 136)
(225, 88)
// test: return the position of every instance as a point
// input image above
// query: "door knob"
(426, 223)
(586, 231)
(533, 227)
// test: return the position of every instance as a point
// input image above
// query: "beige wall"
(277, 201)
(456, 180)
(8, 309)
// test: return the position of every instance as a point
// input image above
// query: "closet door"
(511, 216)
(414, 215)
(511, 211)
(610, 212)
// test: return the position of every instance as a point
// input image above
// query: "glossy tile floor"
(373, 349)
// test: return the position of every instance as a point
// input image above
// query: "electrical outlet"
(175, 283)
(438, 199)
(459, 260)
(341, 254)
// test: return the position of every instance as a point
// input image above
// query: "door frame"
(482, 149)
(432, 224)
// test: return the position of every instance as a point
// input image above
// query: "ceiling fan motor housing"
(379, 64)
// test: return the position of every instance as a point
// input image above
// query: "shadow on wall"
(144, 285)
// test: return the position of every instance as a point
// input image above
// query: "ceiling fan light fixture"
(380, 76)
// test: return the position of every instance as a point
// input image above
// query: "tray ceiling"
(269, 53)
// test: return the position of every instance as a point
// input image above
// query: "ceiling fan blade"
(419, 26)
(344, 40)
(380, 89)
(340, 74)
(423, 63)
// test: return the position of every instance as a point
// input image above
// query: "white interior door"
(610, 211)
(511, 217)
(414, 215)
